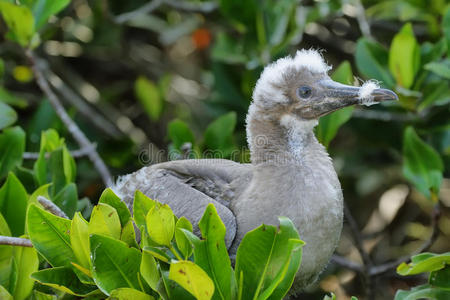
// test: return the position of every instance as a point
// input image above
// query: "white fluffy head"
(272, 75)
(365, 92)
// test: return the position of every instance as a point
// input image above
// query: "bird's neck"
(279, 141)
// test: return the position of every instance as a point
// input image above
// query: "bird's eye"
(304, 92)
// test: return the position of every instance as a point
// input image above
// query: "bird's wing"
(188, 186)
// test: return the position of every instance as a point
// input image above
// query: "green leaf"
(179, 133)
(425, 291)
(441, 278)
(20, 22)
(159, 253)
(110, 198)
(211, 254)
(149, 270)
(65, 280)
(183, 243)
(67, 199)
(13, 204)
(192, 278)
(404, 56)
(422, 165)
(27, 263)
(424, 262)
(11, 99)
(128, 235)
(6, 255)
(129, 294)
(149, 96)
(42, 296)
(441, 68)
(141, 206)
(372, 61)
(79, 240)
(161, 224)
(12, 145)
(4, 294)
(49, 234)
(58, 171)
(44, 9)
(114, 264)
(8, 116)
(267, 260)
(219, 131)
(332, 296)
(330, 124)
(446, 28)
(105, 220)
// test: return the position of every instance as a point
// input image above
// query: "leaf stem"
(175, 252)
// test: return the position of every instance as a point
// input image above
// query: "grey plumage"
(290, 175)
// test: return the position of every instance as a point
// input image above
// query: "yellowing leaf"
(404, 56)
(79, 239)
(192, 278)
(161, 224)
(105, 221)
(20, 22)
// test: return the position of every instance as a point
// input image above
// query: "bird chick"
(290, 173)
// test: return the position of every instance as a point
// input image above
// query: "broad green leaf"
(70, 168)
(192, 278)
(179, 133)
(141, 206)
(268, 259)
(67, 199)
(4, 294)
(83, 274)
(65, 280)
(149, 96)
(330, 124)
(57, 170)
(13, 204)
(8, 116)
(105, 220)
(42, 296)
(422, 165)
(49, 234)
(128, 235)
(149, 270)
(79, 240)
(12, 145)
(27, 263)
(372, 61)
(183, 243)
(6, 254)
(404, 56)
(129, 294)
(425, 291)
(424, 262)
(110, 198)
(219, 131)
(211, 254)
(161, 224)
(20, 22)
(441, 278)
(114, 264)
(11, 99)
(441, 68)
(44, 9)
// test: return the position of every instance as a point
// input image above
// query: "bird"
(290, 173)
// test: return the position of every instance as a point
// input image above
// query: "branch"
(51, 207)
(204, 7)
(74, 153)
(362, 20)
(145, 9)
(72, 127)
(14, 241)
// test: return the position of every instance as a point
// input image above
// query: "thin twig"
(72, 127)
(51, 207)
(15, 241)
(203, 7)
(74, 153)
(346, 263)
(362, 20)
(145, 9)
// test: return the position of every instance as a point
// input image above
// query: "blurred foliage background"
(166, 79)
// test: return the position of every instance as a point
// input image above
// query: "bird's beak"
(339, 95)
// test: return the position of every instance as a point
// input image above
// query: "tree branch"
(77, 134)
(14, 241)
(362, 20)
(75, 153)
(145, 9)
(51, 207)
